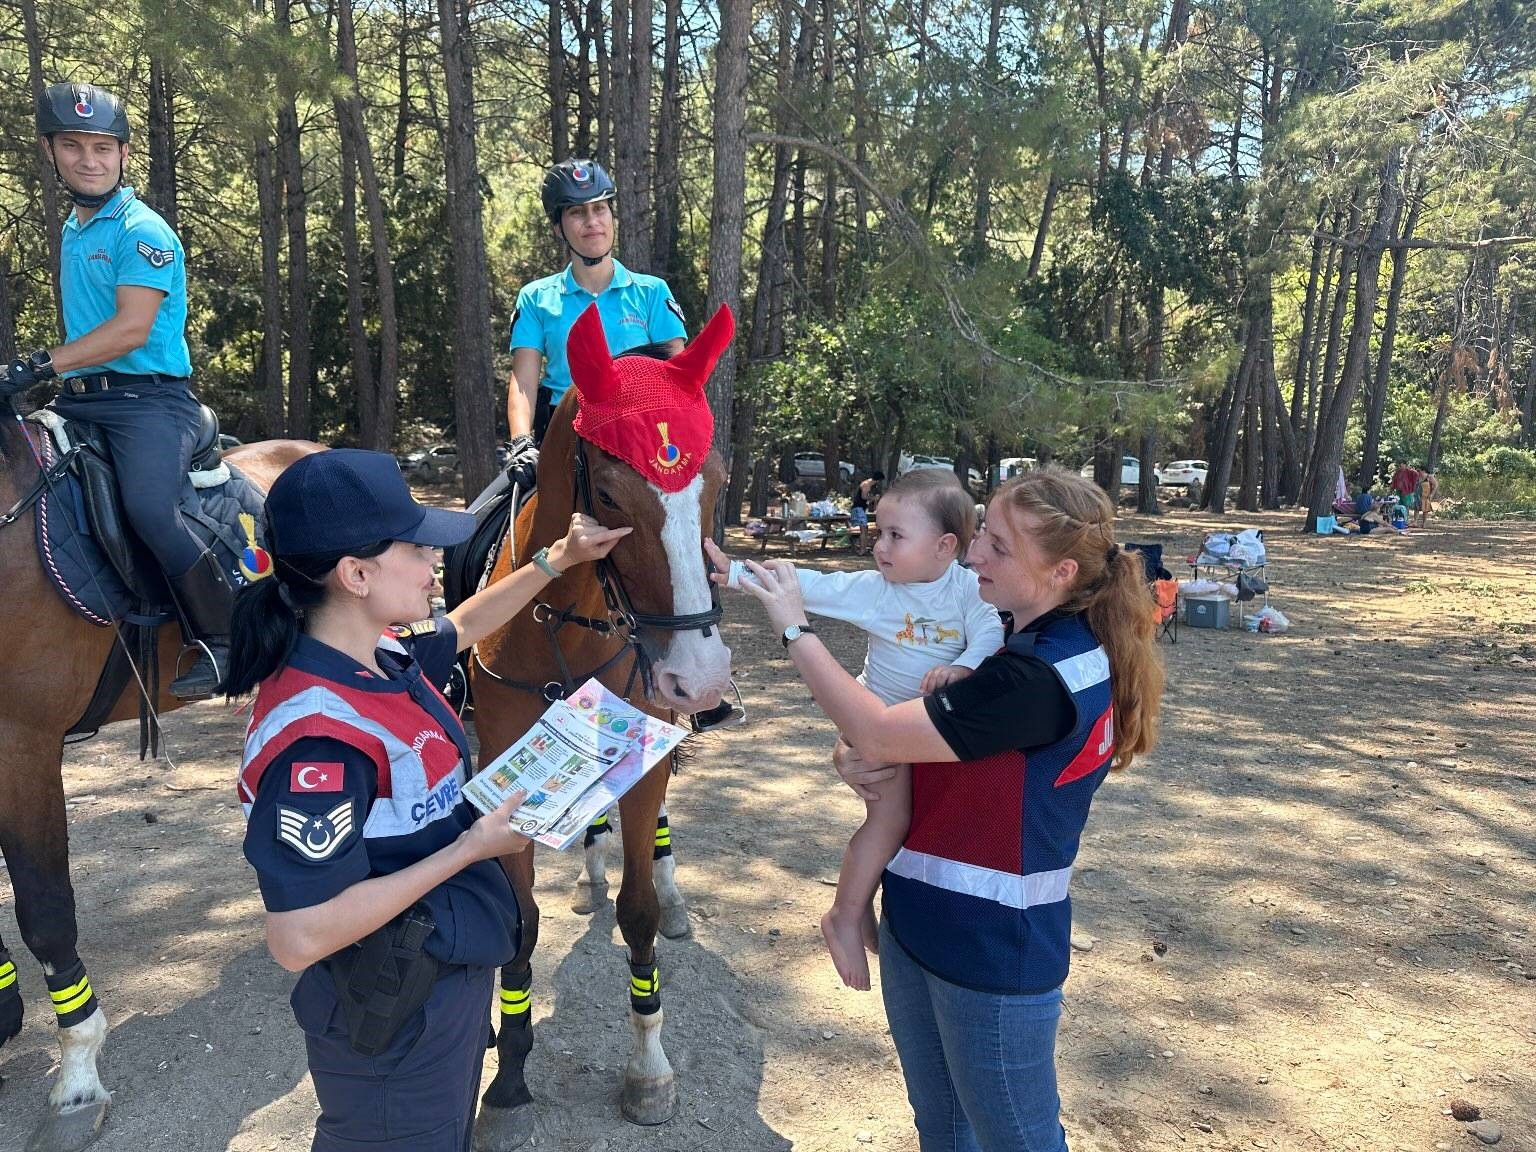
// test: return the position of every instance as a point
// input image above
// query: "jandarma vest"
(419, 753)
(978, 892)
(420, 767)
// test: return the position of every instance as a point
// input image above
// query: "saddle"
(98, 565)
(467, 566)
(102, 503)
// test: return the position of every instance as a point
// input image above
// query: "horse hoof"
(650, 1101)
(674, 921)
(69, 1131)
(589, 898)
(503, 1129)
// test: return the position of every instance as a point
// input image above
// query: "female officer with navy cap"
(381, 885)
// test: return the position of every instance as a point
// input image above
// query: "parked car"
(813, 466)
(226, 441)
(439, 463)
(1183, 473)
(909, 463)
(1010, 466)
(1130, 472)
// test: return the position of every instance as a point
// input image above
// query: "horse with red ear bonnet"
(631, 444)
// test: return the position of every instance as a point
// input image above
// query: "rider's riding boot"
(204, 597)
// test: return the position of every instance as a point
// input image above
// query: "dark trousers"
(419, 1094)
(151, 429)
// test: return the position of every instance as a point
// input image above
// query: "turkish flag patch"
(313, 777)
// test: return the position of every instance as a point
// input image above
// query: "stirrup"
(723, 715)
(196, 683)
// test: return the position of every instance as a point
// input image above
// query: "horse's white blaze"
(78, 1085)
(648, 1062)
(701, 663)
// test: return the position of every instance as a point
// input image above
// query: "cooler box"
(1206, 611)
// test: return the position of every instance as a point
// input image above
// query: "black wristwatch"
(42, 363)
(794, 632)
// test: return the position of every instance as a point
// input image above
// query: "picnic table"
(781, 526)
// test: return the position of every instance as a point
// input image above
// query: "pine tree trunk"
(981, 209)
(664, 261)
(559, 129)
(605, 94)
(269, 213)
(586, 102)
(162, 142)
(727, 210)
(827, 230)
(1349, 263)
(1047, 209)
(380, 431)
(1304, 348)
(8, 347)
(364, 386)
(1376, 395)
(290, 158)
(1219, 475)
(1331, 429)
(1248, 494)
(473, 382)
(47, 181)
(403, 94)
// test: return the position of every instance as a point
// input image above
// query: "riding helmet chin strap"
(589, 261)
(85, 200)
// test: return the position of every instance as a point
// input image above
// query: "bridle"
(622, 622)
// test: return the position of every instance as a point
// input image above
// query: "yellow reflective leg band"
(68, 999)
(641, 986)
(600, 822)
(7, 974)
(514, 1002)
(663, 837)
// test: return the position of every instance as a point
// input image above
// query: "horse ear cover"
(651, 414)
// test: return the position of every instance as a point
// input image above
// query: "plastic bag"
(1268, 620)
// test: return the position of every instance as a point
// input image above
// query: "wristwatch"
(541, 562)
(794, 632)
(42, 363)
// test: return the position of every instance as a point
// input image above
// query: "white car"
(1010, 466)
(1183, 473)
(913, 463)
(1130, 472)
(813, 466)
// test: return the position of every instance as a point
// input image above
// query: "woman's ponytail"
(269, 615)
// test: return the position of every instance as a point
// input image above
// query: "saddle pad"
(78, 566)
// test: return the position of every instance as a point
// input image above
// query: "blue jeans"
(980, 1067)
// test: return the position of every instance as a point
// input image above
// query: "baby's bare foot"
(845, 940)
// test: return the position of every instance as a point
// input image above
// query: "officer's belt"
(384, 979)
(105, 381)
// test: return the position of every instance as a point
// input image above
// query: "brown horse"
(665, 591)
(47, 681)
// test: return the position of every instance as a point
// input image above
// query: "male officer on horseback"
(125, 366)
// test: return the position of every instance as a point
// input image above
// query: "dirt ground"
(1309, 911)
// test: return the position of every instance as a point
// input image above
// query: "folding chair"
(1164, 589)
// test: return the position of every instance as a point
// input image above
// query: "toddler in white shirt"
(927, 626)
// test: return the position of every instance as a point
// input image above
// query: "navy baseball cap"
(349, 498)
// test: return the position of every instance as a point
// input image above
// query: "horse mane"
(557, 478)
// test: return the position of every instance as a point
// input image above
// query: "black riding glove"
(23, 373)
(523, 463)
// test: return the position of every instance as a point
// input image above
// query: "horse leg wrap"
(509, 1089)
(11, 1006)
(72, 996)
(598, 827)
(663, 838)
(644, 988)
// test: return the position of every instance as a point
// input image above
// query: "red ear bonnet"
(652, 414)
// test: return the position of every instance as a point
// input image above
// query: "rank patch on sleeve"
(315, 837)
(157, 257)
(677, 310)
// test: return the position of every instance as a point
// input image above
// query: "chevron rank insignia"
(676, 309)
(315, 837)
(158, 257)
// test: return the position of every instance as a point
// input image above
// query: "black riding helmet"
(573, 182)
(83, 108)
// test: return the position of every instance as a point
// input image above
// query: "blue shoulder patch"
(157, 257)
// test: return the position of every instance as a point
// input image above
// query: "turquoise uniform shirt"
(635, 308)
(126, 242)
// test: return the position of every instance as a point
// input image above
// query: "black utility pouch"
(384, 979)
